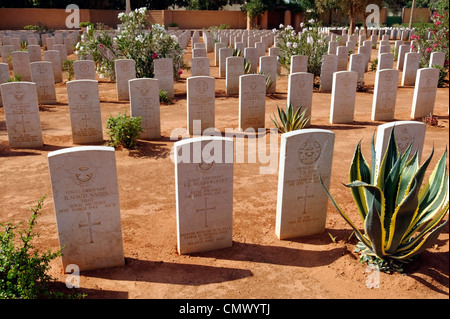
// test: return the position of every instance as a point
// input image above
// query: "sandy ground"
(258, 265)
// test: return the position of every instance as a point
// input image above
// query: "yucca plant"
(400, 220)
(290, 120)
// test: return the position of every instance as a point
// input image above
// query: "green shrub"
(443, 75)
(163, 98)
(400, 220)
(124, 130)
(23, 270)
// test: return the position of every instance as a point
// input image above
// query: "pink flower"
(412, 46)
(434, 45)
(180, 72)
(428, 50)
(437, 23)
(154, 55)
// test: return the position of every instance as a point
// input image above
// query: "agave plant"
(290, 120)
(400, 220)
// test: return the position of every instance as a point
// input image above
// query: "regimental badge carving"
(309, 152)
(201, 87)
(82, 172)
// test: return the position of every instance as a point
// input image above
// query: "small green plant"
(400, 220)
(86, 24)
(15, 78)
(23, 270)
(163, 98)
(124, 130)
(173, 24)
(290, 120)
(68, 68)
(373, 66)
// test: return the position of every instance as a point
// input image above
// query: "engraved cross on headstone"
(90, 224)
(206, 211)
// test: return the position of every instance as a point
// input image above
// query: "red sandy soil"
(258, 265)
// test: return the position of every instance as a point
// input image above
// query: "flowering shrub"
(135, 41)
(310, 41)
(437, 42)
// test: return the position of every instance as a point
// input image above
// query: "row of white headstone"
(86, 192)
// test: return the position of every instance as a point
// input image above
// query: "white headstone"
(251, 57)
(342, 53)
(437, 58)
(21, 65)
(268, 66)
(200, 102)
(4, 77)
(424, 92)
(21, 109)
(224, 53)
(34, 53)
(385, 95)
(406, 132)
(300, 92)
(54, 57)
(305, 155)
(357, 64)
(85, 113)
(234, 69)
(385, 61)
(125, 70)
(403, 49)
(252, 101)
(163, 70)
(84, 70)
(343, 97)
(200, 67)
(410, 67)
(87, 209)
(42, 75)
(204, 193)
(144, 102)
(329, 66)
(299, 63)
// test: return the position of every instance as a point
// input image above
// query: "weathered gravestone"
(86, 203)
(200, 102)
(299, 63)
(402, 50)
(85, 113)
(329, 66)
(342, 54)
(125, 71)
(343, 97)
(34, 53)
(4, 77)
(21, 109)
(144, 102)
(385, 61)
(200, 67)
(21, 65)
(6, 51)
(217, 47)
(268, 66)
(234, 69)
(251, 57)
(305, 155)
(300, 92)
(62, 49)
(357, 64)
(410, 67)
(224, 53)
(424, 92)
(252, 101)
(163, 70)
(406, 132)
(204, 193)
(385, 95)
(437, 58)
(53, 57)
(84, 70)
(42, 75)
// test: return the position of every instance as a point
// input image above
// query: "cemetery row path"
(258, 265)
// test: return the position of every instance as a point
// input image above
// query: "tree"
(327, 5)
